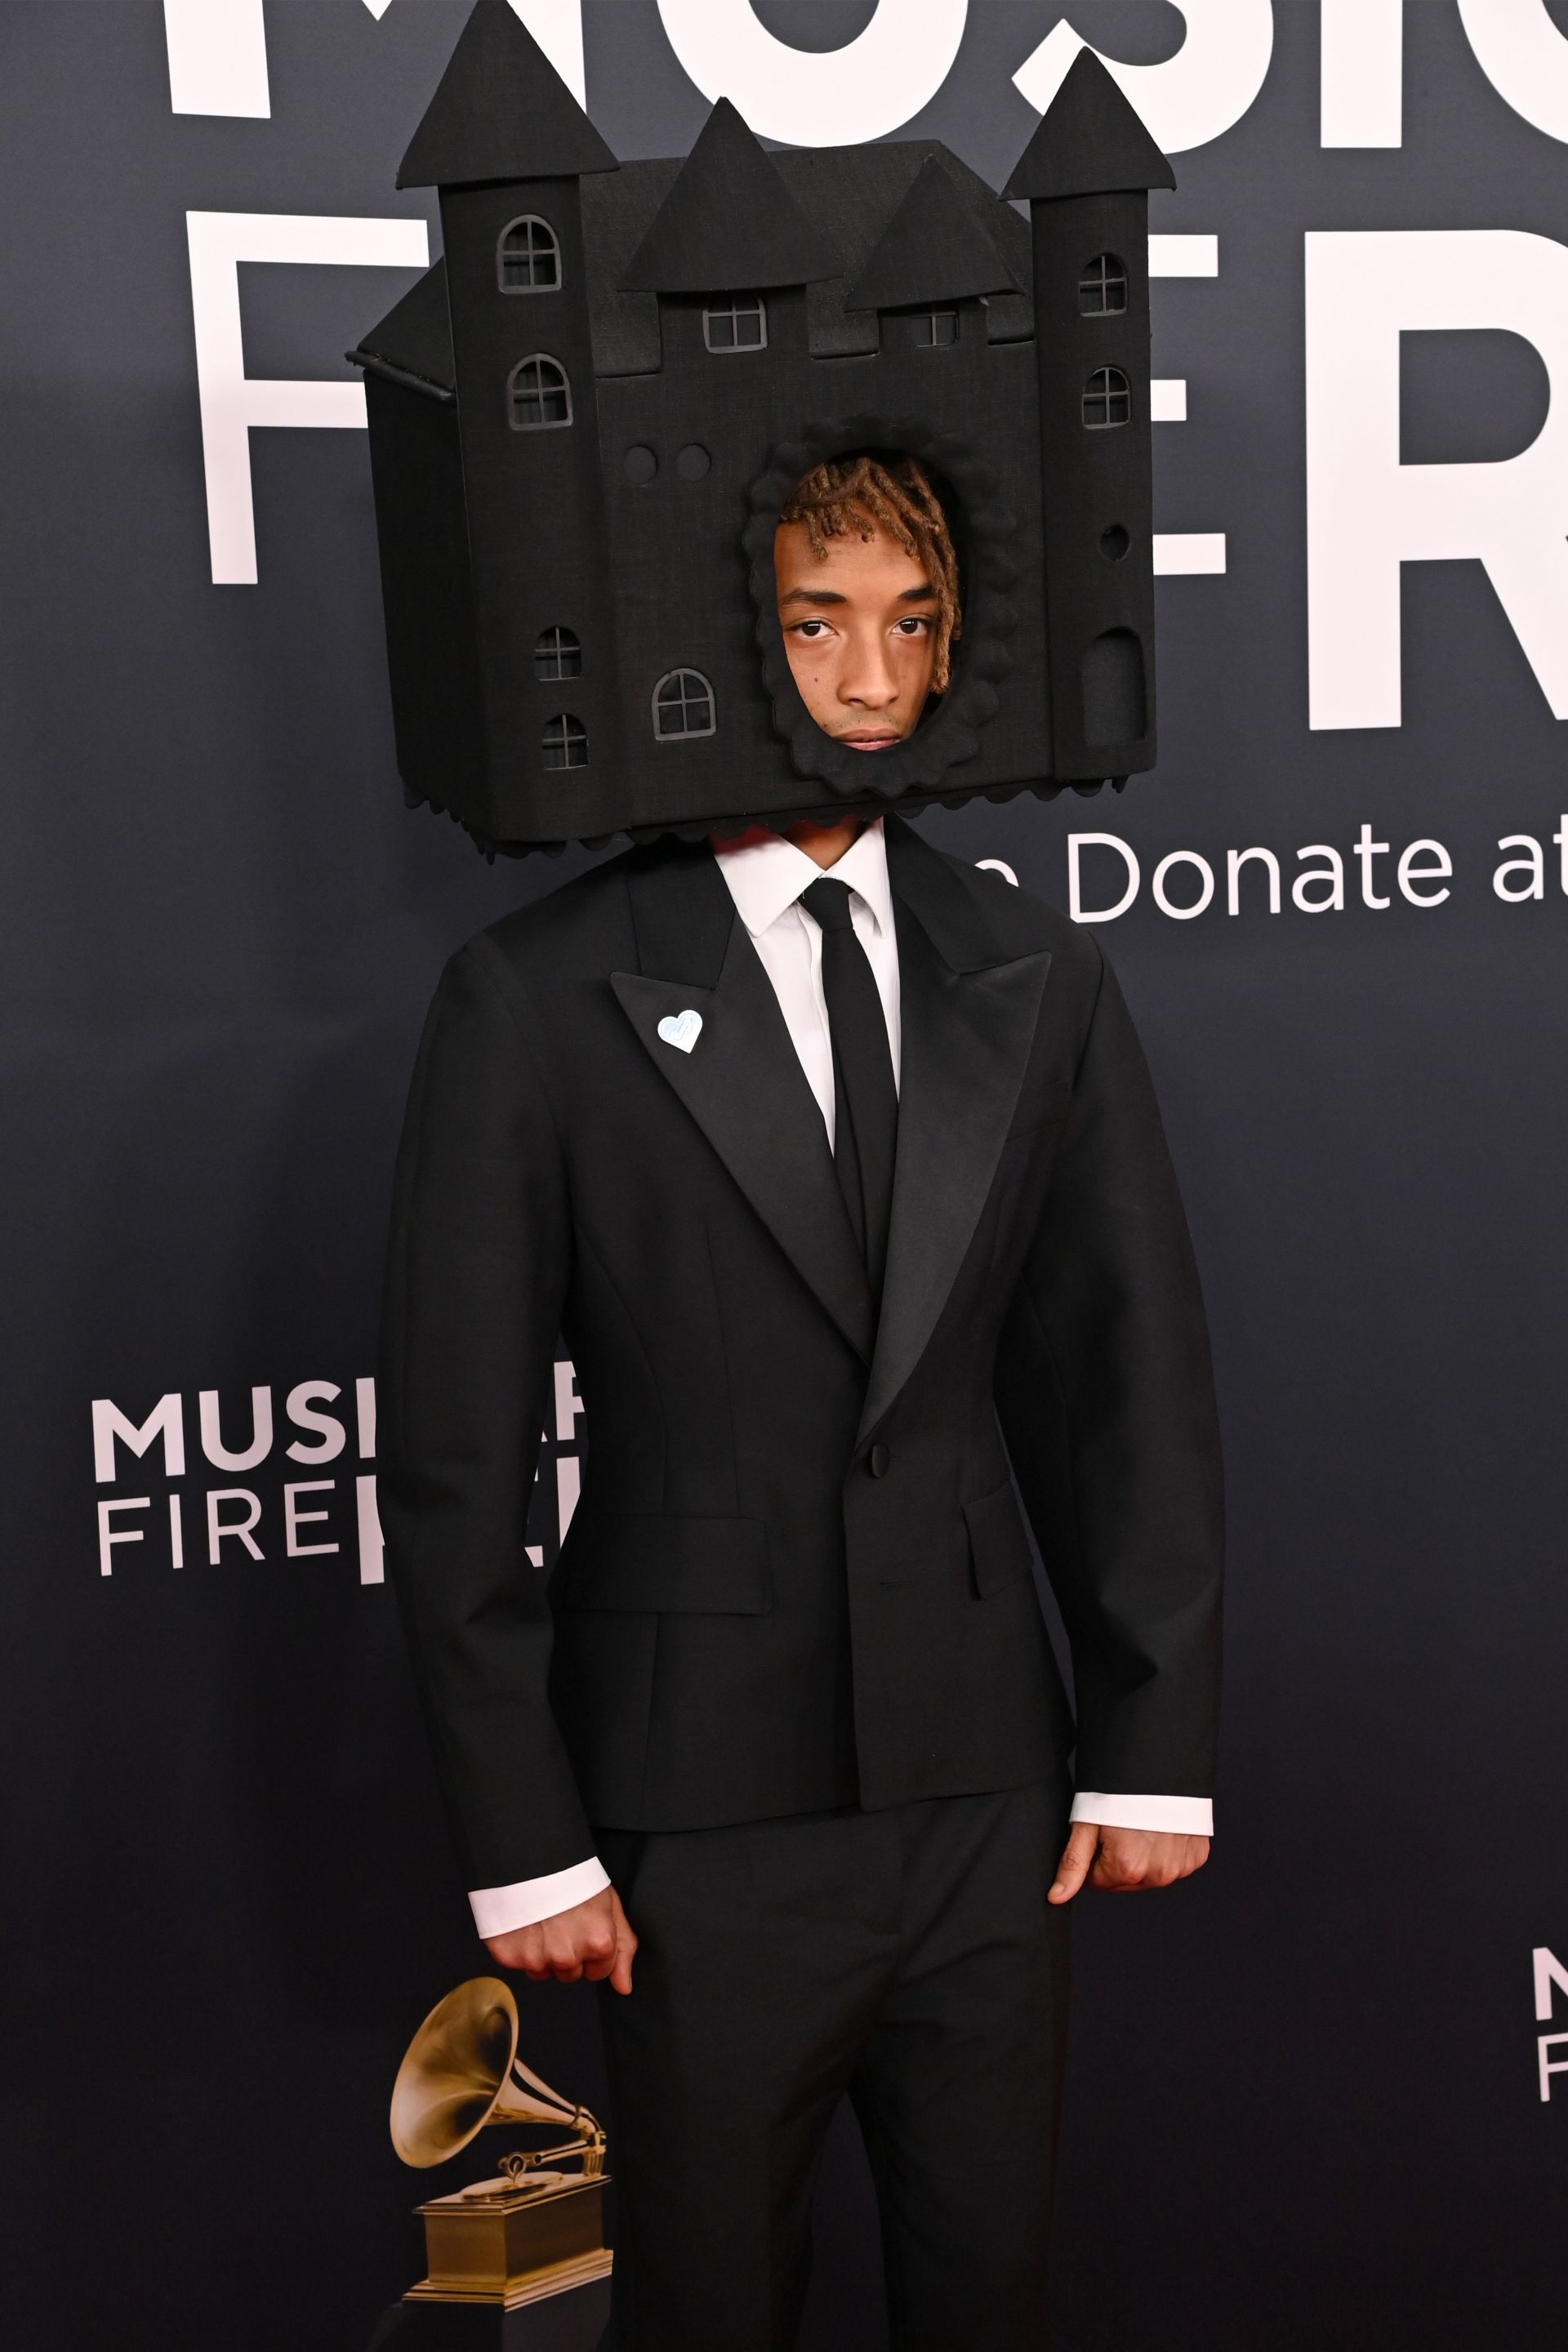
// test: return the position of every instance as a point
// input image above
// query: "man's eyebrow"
(924, 595)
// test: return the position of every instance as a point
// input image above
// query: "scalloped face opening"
(918, 739)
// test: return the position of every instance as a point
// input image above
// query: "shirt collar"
(767, 874)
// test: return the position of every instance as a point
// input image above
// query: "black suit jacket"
(797, 1577)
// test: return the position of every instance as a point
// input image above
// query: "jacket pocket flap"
(999, 1546)
(626, 1559)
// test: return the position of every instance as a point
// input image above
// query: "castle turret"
(506, 144)
(935, 255)
(728, 221)
(1087, 173)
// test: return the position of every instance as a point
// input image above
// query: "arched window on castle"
(739, 322)
(1107, 400)
(537, 394)
(528, 257)
(682, 705)
(564, 742)
(1102, 288)
(557, 653)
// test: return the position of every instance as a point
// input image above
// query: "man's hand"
(1123, 1860)
(593, 1940)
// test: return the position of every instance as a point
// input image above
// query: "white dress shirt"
(766, 877)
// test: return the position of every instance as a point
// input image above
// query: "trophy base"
(537, 2286)
(555, 2321)
(514, 2247)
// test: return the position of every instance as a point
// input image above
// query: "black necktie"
(865, 1100)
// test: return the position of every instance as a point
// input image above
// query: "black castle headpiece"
(584, 421)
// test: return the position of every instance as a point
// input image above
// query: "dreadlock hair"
(860, 493)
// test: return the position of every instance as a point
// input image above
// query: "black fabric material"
(745, 1086)
(865, 1119)
(1089, 141)
(906, 1959)
(500, 112)
(935, 249)
(728, 222)
(678, 1216)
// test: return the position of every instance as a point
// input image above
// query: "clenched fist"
(593, 1939)
(1123, 1861)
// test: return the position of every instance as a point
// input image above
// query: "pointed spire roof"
(936, 249)
(1090, 142)
(728, 221)
(501, 112)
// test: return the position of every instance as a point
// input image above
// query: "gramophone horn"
(461, 2072)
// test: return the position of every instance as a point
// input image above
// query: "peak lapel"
(743, 1082)
(967, 1034)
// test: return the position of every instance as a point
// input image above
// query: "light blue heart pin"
(681, 1030)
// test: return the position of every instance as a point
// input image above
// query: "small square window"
(738, 323)
(936, 330)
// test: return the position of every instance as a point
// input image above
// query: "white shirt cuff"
(1187, 1816)
(498, 1909)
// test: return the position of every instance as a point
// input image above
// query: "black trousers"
(907, 1957)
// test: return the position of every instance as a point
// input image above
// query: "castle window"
(682, 705)
(528, 257)
(935, 331)
(1103, 289)
(564, 742)
(738, 323)
(558, 653)
(538, 394)
(1107, 400)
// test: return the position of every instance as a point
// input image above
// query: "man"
(837, 1163)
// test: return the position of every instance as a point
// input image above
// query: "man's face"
(859, 627)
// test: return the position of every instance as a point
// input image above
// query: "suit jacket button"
(880, 1461)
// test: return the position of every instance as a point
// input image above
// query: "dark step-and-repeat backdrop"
(1319, 2097)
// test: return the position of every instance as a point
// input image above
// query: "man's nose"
(868, 677)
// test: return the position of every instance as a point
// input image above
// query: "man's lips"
(868, 738)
